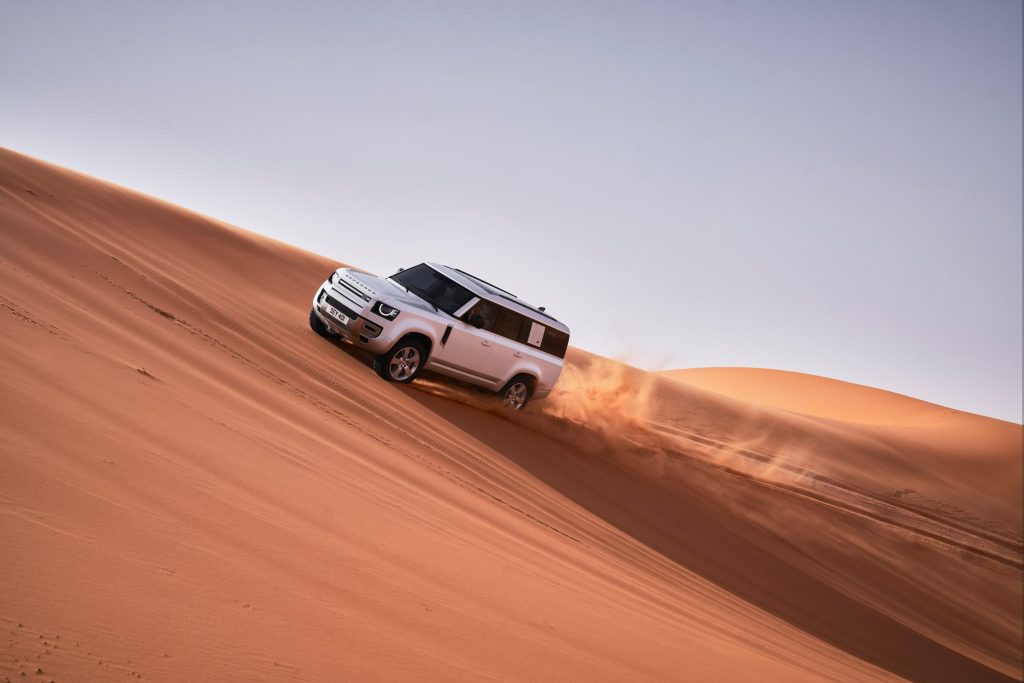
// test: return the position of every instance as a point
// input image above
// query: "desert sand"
(194, 486)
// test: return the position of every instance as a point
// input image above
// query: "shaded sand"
(194, 486)
(965, 463)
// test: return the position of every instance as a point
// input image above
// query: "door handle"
(485, 342)
(518, 354)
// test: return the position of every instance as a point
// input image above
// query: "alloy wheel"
(515, 396)
(403, 364)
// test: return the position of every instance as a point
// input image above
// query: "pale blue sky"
(829, 187)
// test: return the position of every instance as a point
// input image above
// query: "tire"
(403, 362)
(318, 326)
(517, 393)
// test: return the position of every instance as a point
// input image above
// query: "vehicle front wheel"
(318, 326)
(517, 392)
(403, 362)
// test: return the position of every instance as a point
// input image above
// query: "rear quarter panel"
(544, 367)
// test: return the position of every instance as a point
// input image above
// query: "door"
(508, 352)
(467, 351)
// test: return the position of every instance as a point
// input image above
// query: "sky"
(823, 186)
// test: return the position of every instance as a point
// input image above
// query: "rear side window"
(509, 324)
(555, 342)
(543, 337)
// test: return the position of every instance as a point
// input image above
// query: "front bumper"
(353, 323)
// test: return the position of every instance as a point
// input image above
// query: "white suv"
(432, 317)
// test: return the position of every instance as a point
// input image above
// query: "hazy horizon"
(830, 189)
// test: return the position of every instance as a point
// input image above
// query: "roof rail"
(528, 306)
(480, 279)
(509, 296)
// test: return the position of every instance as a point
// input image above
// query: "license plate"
(337, 314)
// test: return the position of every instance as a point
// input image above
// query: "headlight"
(332, 277)
(385, 311)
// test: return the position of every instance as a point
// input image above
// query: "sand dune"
(813, 395)
(194, 486)
(949, 456)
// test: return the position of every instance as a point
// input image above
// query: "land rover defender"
(433, 317)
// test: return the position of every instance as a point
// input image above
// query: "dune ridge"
(808, 394)
(195, 485)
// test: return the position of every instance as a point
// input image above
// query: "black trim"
(447, 333)
(352, 289)
(465, 370)
(341, 307)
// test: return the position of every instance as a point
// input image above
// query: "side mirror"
(477, 321)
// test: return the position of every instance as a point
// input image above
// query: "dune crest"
(814, 395)
(194, 485)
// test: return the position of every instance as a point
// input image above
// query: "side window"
(489, 311)
(547, 339)
(509, 324)
(555, 342)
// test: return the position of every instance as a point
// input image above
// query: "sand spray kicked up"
(605, 406)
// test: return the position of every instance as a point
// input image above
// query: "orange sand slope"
(195, 486)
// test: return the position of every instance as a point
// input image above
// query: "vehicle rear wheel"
(517, 392)
(318, 326)
(403, 362)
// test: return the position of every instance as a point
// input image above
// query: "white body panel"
(465, 354)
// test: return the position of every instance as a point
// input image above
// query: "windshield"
(435, 288)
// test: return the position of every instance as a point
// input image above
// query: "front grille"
(355, 291)
(341, 307)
